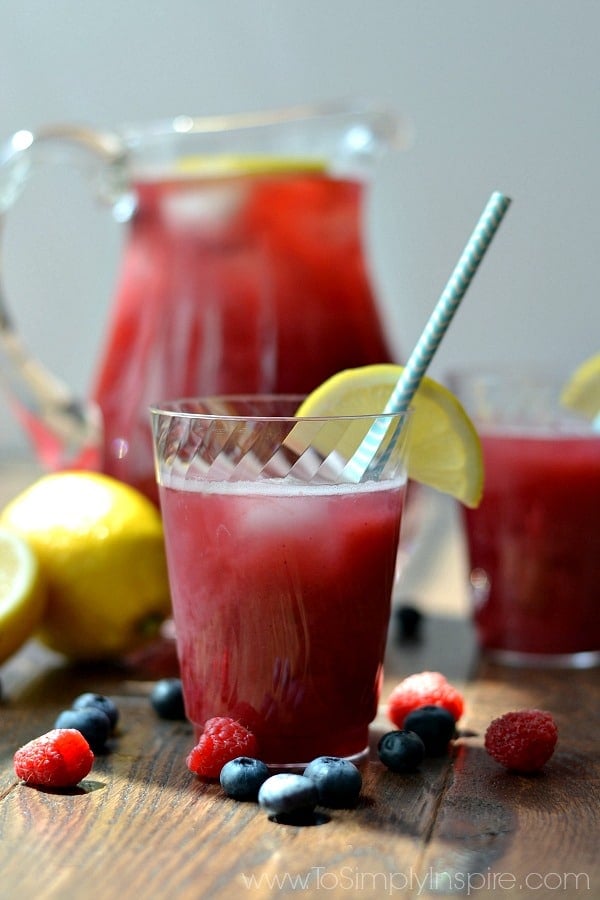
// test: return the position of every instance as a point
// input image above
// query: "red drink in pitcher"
(281, 598)
(233, 284)
(534, 545)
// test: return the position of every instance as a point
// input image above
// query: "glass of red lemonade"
(281, 567)
(534, 541)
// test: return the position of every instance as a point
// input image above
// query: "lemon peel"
(22, 593)
(100, 547)
(444, 448)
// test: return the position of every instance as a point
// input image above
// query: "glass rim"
(529, 372)
(344, 137)
(518, 400)
(383, 119)
(168, 409)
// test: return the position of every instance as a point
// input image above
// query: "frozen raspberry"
(423, 689)
(222, 740)
(59, 758)
(522, 741)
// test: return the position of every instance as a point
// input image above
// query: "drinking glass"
(534, 542)
(281, 567)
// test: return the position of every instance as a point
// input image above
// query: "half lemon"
(22, 593)
(444, 448)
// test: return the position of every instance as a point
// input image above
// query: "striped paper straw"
(434, 331)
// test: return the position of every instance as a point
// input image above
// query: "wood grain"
(141, 825)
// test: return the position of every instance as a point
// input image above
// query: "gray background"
(503, 94)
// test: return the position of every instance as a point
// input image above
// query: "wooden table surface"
(140, 825)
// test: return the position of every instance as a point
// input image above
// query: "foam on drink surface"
(280, 487)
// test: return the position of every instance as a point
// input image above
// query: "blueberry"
(408, 621)
(99, 701)
(337, 780)
(242, 777)
(167, 699)
(434, 725)
(90, 721)
(401, 751)
(288, 795)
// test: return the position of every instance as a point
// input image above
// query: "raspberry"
(59, 758)
(222, 740)
(423, 689)
(522, 741)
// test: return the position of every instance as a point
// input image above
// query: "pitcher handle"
(64, 430)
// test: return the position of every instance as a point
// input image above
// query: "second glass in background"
(534, 542)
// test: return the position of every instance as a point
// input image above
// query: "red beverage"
(233, 284)
(534, 545)
(281, 598)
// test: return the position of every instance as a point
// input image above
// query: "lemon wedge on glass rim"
(444, 449)
(581, 393)
(22, 593)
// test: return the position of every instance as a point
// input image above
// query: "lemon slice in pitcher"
(582, 391)
(444, 452)
(224, 164)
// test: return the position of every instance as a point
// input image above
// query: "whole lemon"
(100, 546)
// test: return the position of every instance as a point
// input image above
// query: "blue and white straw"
(434, 331)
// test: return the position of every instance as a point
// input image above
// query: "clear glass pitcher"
(243, 270)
